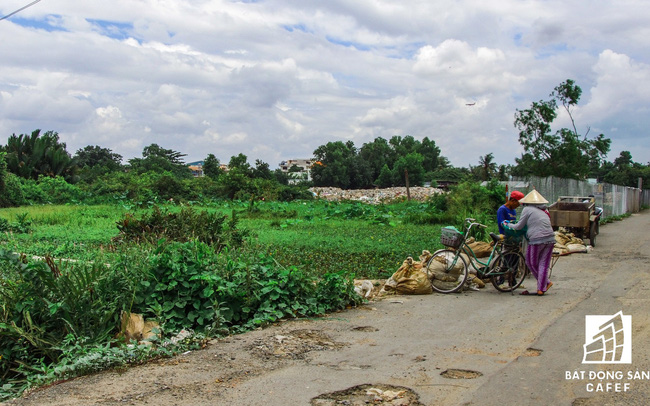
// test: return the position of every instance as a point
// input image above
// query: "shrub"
(13, 193)
(179, 287)
(188, 224)
(57, 190)
(43, 302)
(470, 199)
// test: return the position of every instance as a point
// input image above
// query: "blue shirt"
(504, 213)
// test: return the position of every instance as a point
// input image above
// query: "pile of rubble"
(374, 196)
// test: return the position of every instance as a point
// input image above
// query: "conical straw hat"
(533, 198)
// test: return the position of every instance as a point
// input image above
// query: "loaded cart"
(578, 215)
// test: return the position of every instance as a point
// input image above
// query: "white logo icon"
(608, 339)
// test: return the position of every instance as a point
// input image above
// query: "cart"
(578, 215)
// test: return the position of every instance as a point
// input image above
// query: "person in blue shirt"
(508, 210)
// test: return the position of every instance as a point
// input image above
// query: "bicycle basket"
(514, 236)
(451, 237)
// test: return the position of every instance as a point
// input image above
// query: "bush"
(188, 224)
(470, 199)
(56, 190)
(43, 302)
(179, 288)
(12, 195)
(190, 286)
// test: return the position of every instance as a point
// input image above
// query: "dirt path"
(474, 348)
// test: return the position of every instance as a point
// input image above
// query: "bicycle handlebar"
(472, 222)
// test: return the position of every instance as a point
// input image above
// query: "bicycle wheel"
(511, 271)
(446, 271)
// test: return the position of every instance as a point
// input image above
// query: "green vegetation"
(221, 268)
(612, 219)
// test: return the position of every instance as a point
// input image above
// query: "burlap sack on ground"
(481, 249)
(150, 332)
(567, 238)
(568, 243)
(437, 269)
(576, 248)
(410, 279)
(561, 249)
(132, 326)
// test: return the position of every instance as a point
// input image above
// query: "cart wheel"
(593, 232)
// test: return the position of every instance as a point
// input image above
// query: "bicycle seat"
(496, 237)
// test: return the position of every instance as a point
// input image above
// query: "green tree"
(414, 164)
(625, 172)
(93, 155)
(431, 153)
(377, 154)
(31, 156)
(94, 161)
(340, 164)
(333, 164)
(3, 174)
(211, 167)
(385, 178)
(239, 163)
(564, 153)
(486, 169)
(281, 177)
(158, 159)
(403, 145)
(450, 174)
(262, 170)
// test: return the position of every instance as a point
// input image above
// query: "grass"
(371, 241)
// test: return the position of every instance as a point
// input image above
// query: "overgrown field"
(67, 272)
(369, 241)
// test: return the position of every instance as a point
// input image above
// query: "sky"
(274, 80)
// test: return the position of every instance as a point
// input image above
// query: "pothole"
(377, 394)
(460, 374)
(294, 344)
(368, 329)
(532, 352)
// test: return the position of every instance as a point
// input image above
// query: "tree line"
(37, 168)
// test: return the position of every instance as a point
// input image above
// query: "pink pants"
(538, 259)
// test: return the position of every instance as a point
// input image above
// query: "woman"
(541, 238)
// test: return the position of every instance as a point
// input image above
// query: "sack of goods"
(409, 279)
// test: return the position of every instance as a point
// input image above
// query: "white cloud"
(274, 80)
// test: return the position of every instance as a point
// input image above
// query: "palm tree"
(488, 166)
(30, 156)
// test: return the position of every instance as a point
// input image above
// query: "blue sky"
(276, 79)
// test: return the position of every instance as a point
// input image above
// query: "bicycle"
(448, 269)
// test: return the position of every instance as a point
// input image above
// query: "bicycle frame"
(484, 267)
(505, 266)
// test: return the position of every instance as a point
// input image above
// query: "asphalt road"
(509, 349)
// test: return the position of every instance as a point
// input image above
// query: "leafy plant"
(188, 224)
(181, 285)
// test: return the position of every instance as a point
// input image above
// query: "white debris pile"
(374, 195)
